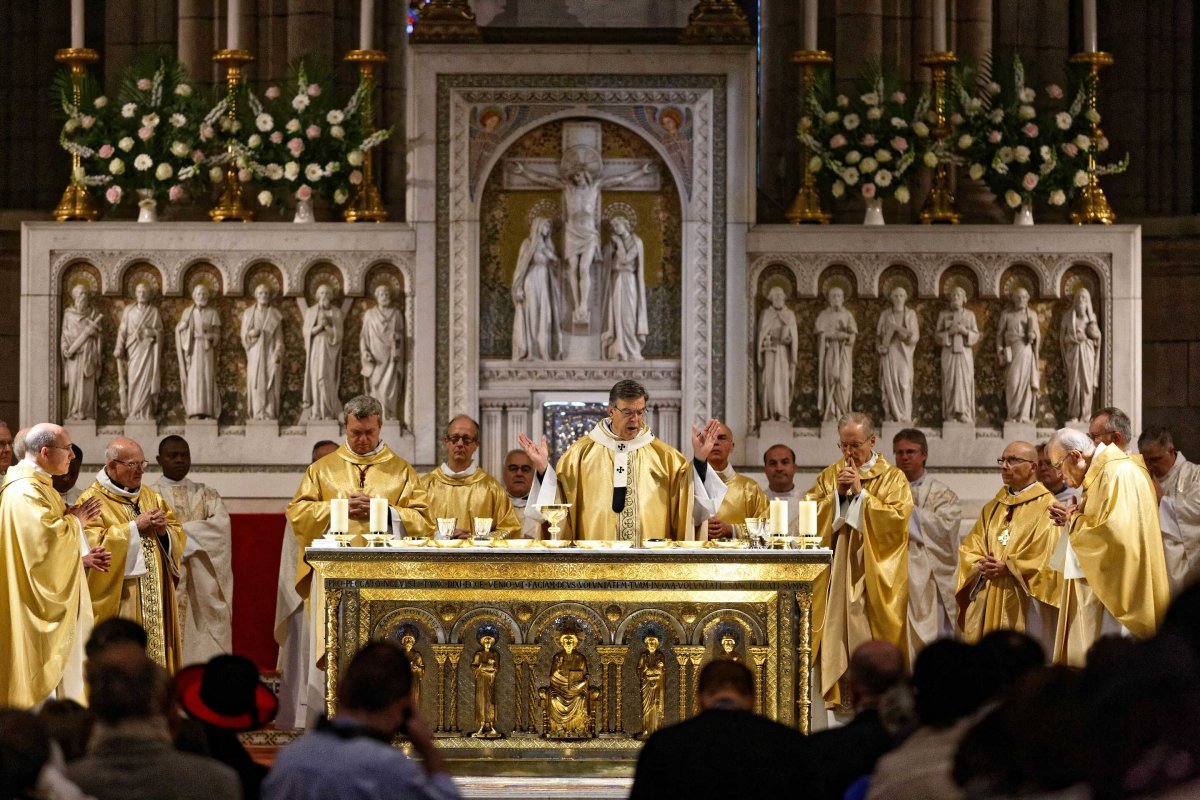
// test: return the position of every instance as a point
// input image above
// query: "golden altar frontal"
(498, 680)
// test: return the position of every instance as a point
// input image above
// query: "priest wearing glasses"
(623, 483)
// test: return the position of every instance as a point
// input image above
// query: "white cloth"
(291, 634)
(135, 559)
(1182, 485)
(933, 542)
(1174, 545)
(530, 527)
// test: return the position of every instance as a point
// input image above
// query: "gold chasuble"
(140, 583)
(658, 490)
(1113, 559)
(1015, 528)
(44, 607)
(865, 594)
(465, 497)
(743, 498)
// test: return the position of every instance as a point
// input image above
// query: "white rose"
(126, 144)
(838, 189)
(874, 113)
(1083, 142)
(354, 158)
(842, 101)
(853, 157)
(902, 195)
(254, 141)
(183, 90)
(883, 178)
(216, 174)
(814, 164)
(128, 110)
(920, 129)
(100, 102)
(1000, 169)
(930, 159)
(871, 99)
(313, 172)
(116, 166)
(274, 172)
(1012, 199)
(163, 171)
(337, 132)
(1027, 95)
(883, 156)
(1044, 152)
(291, 170)
(340, 197)
(1081, 178)
(332, 167)
(965, 141)
(1092, 115)
(997, 115)
(898, 123)
(851, 121)
(1063, 120)
(831, 117)
(150, 120)
(975, 171)
(1021, 154)
(292, 126)
(1005, 154)
(1026, 112)
(1057, 197)
(300, 102)
(178, 120)
(335, 117)
(179, 149)
(850, 176)
(265, 198)
(868, 165)
(974, 105)
(71, 125)
(143, 162)
(264, 122)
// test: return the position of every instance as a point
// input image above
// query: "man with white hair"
(1111, 553)
(45, 611)
(1179, 480)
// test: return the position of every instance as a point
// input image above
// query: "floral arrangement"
(862, 143)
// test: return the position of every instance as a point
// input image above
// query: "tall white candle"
(779, 518)
(235, 24)
(339, 515)
(939, 26)
(77, 24)
(1090, 42)
(379, 515)
(810, 24)
(366, 24)
(806, 519)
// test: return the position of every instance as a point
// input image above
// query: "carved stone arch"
(749, 626)
(547, 617)
(1074, 276)
(773, 262)
(956, 273)
(411, 614)
(503, 618)
(198, 269)
(843, 273)
(1099, 267)
(133, 267)
(78, 270)
(897, 272)
(315, 263)
(662, 619)
(256, 270)
(1020, 273)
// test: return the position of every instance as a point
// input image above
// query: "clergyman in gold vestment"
(863, 505)
(743, 496)
(623, 483)
(1003, 578)
(136, 525)
(1112, 563)
(45, 611)
(460, 489)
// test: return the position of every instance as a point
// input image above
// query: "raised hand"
(539, 454)
(704, 439)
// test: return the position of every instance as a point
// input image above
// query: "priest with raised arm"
(743, 497)
(460, 489)
(623, 483)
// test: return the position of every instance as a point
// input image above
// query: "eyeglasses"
(59, 446)
(843, 446)
(1057, 465)
(1012, 461)
(632, 413)
(461, 437)
(519, 468)
(133, 464)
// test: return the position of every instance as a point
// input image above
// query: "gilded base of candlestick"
(939, 206)
(806, 208)
(717, 22)
(232, 205)
(1091, 206)
(76, 204)
(366, 205)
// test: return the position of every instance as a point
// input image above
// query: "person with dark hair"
(846, 753)
(726, 750)
(1111, 426)
(24, 751)
(114, 630)
(597, 472)
(1007, 656)
(69, 725)
(1179, 480)
(353, 749)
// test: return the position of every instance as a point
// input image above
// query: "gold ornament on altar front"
(806, 207)
(1090, 205)
(940, 205)
(366, 205)
(232, 204)
(76, 202)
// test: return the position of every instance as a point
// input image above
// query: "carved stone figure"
(535, 294)
(80, 345)
(139, 340)
(567, 701)
(484, 667)
(651, 669)
(382, 349)
(262, 338)
(957, 333)
(408, 640)
(1018, 340)
(778, 349)
(836, 331)
(1081, 341)
(625, 322)
(897, 333)
(323, 331)
(196, 339)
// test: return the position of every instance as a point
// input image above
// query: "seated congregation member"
(779, 466)
(518, 480)
(743, 497)
(726, 750)
(460, 489)
(352, 751)
(1003, 580)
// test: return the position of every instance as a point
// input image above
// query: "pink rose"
(869, 140)
(197, 156)
(145, 133)
(175, 193)
(1029, 181)
(314, 90)
(206, 131)
(1055, 91)
(837, 141)
(144, 84)
(304, 192)
(356, 177)
(312, 131)
(105, 151)
(295, 147)
(956, 118)
(272, 92)
(243, 175)
(868, 190)
(113, 195)
(898, 97)
(1070, 149)
(899, 144)
(277, 137)
(1030, 130)
(994, 137)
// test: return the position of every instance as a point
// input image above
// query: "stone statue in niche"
(625, 322)
(1081, 340)
(651, 670)
(778, 349)
(323, 332)
(957, 333)
(535, 294)
(484, 667)
(1018, 340)
(897, 334)
(196, 339)
(381, 347)
(416, 664)
(262, 338)
(836, 331)
(80, 345)
(139, 340)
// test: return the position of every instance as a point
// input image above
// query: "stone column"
(778, 108)
(310, 30)
(859, 39)
(491, 433)
(196, 37)
(667, 426)
(516, 420)
(612, 722)
(973, 32)
(525, 657)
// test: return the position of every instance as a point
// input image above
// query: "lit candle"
(1090, 43)
(235, 24)
(810, 24)
(339, 515)
(379, 515)
(939, 26)
(77, 24)
(366, 24)
(779, 517)
(806, 520)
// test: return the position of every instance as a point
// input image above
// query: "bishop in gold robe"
(1003, 578)
(743, 496)
(460, 489)
(863, 505)
(45, 611)
(1111, 558)
(624, 484)
(146, 541)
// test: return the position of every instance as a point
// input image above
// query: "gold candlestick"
(939, 206)
(806, 208)
(366, 205)
(76, 202)
(232, 204)
(1091, 206)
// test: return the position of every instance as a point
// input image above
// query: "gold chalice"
(555, 514)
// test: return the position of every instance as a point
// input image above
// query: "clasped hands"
(1062, 513)
(992, 568)
(849, 482)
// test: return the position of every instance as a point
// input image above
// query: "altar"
(699, 603)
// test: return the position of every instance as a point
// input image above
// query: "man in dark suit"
(847, 753)
(726, 751)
